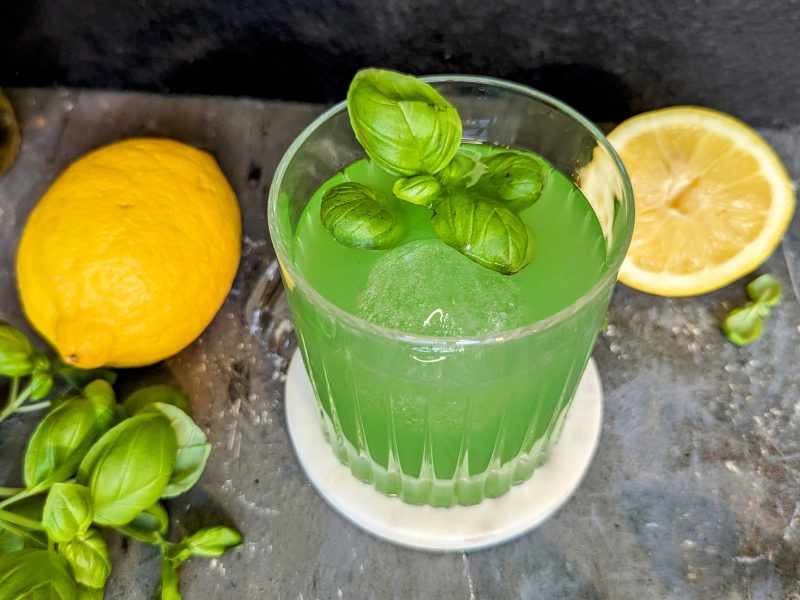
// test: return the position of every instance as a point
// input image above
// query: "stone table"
(694, 492)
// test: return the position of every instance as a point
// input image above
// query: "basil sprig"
(745, 325)
(91, 463)
(407, 128)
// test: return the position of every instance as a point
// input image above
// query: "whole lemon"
(130, 253)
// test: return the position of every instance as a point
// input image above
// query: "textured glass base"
(542, 488)
(463, 489)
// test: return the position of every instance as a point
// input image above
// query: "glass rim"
(357, 322)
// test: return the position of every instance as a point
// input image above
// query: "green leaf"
(100, 393)
(41, 384)
(87, 556)
(420, 189)
(405, 125)
(87, 593)
(165, 394)
(209, 542)
(129, 467)
(79, 378)
(513, 178)
(463, 171)
(148, 526)
(41, 376)
(765, 290)
(13, 535)
(16, 352)
(193, 449)
(35, 575)
(30, 507)
(743, 325)
(67, 511)
(484, 231)
(355, 218)
(169, 586)
(10, 542)
(60, 442)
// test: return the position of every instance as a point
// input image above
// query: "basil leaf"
(743, 325)
(405, 125)
(209, 542)
(514, 178)
(14, 534)
(765, 290)
(41, 377)
(10, 542)
(169, 586)
(193, 449)
(165, 394)
(128, 468)
(30, 507)
(60, 441)
(420, 189)
(148, 525)
(35, 574)
(100, 393)
(87, 593)
(88, 557)
(355, 218)
(41, 385)
(484, 231)
(67, 511)
(79, 378)
(16, 352)
(464, 170)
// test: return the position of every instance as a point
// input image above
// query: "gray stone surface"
(694, 493)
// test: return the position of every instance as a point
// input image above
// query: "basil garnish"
(355, 218)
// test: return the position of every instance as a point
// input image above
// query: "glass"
(446, 421)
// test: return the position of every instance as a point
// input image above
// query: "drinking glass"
(445, 421)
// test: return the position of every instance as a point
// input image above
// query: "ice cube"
(425, 287)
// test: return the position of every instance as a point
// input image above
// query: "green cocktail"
(440, 380)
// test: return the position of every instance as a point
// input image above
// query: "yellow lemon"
(712, 199)
(130, 253)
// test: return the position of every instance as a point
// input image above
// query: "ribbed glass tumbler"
(445, 421)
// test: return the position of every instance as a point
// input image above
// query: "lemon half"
(712, 199)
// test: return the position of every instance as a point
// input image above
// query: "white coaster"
(489, 523)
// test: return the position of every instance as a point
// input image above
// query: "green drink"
(440, 380)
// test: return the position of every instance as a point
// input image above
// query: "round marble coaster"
(489, 523)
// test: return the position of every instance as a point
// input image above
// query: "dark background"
(608, 58)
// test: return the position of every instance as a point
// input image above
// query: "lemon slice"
(712, 199)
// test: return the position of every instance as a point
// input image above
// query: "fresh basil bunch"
(92, 463)
(408, 129)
